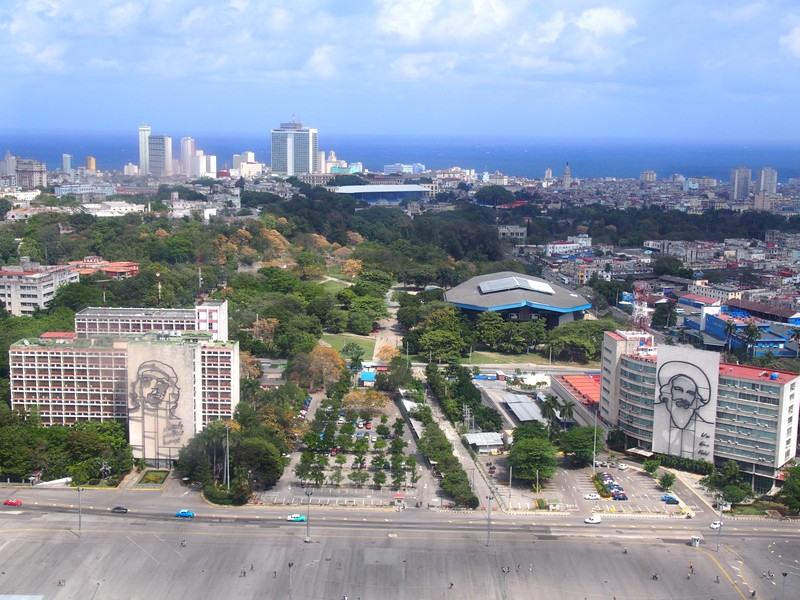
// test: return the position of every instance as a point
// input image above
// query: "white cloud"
(791, 41)
(423, 65)
(102, 64)
(123, 17)
(195, 16)
(604, 20)
(48, 57)
(321, 63)
(407, 19)
(549, 31)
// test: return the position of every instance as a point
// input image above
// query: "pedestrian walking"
(530, 567)
(274, 574)
(518, 566)
(689, 575)
(691, 568)
(183, 543)
(252, 568)
(717, 579)
(451, 585)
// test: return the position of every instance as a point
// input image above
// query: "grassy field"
(337, 341)
(333, 286)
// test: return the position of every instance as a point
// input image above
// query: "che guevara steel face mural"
(685, 405)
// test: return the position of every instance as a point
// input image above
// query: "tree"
(730, 329)
(651, 465)
(379, 478)
(530, 429)
(794, 335)
(667, 265)
(354, 352)
(666, 480)
(550, 407)
(567, 411)
(790, 493)
(752, 334)
(529, 455)
(579, 444)
(358, 477)
(492, 195)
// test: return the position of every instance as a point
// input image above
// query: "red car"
(13, 502)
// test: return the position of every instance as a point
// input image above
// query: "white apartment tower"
(144, 149)
(767, 181)
(294, 150)
(740, 184)
(187, 154)
(160, 149)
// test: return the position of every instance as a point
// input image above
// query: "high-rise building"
(66, 163)
(126, 365)
(685, 402)
(767, 181)
(647, 176)
(740, 184)
(30, 173)
(567, 177)
(144, 149)
(91, 163)
(187, 153)
(160, 150)
(294, 149)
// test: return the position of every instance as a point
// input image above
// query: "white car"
(592, 496)
(622, 467)
(593, 520)
(716, 524)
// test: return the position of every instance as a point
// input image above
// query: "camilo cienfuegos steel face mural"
(161, 399)
(685, 406)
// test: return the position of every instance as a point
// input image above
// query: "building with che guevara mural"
(165, 373)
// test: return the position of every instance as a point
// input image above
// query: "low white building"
(29, 286)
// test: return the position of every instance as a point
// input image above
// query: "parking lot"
(568, 488)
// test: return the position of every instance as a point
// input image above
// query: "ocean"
(526, 157)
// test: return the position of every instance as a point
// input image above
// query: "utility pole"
(594, 444)
(227, 458)
(489, 520)
(719, 529)
(308, 493)
(80, 510)
(290, 580)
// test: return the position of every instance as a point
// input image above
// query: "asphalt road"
(375, 553)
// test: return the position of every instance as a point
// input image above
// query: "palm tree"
(752, 334)
(730, 329)
(550, 409)
(794, 335)
(567, 410)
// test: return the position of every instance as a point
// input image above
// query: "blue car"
(185, 513)
(667, 498)
(296, 518)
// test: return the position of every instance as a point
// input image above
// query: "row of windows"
(756, 432)
(641, 400)
(750, 385)
(748, 396)
(636, 432)
(623, 417)
(741, 452)
(738, 441)
(644, 391)
(636, 409)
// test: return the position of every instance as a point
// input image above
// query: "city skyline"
(616, 69)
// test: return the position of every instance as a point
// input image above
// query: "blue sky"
(647, 69)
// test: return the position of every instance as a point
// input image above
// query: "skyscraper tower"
(187, 153)
(160, 151)
(567, 177)
(66, 163)
(767, 180)
(144, 149)
(294, 149)
(740, 184)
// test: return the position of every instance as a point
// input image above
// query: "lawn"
(333, 286)
(338, 340)
(154, 477)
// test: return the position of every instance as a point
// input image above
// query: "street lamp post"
(783, 594)
(594, 444)
(489, 520)
(80, 510)
(227, 458)
(719, 529)
(290, 580)
(309, 493)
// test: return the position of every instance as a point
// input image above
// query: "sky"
(627, 69)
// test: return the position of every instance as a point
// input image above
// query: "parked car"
(666, 497)
(716, 524)
(672, 501)
(368, 425)
(620, 496)
(185, 513)
(622, 466)
(296, 518)
(119, 509)
(593, 520)
(592, 496)
(13, 502)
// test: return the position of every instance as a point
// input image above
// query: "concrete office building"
(294, 150)
(767, 181)
(29, 286)
(685, 402)
(144, 150)
(30, 173)
(187, 154)
(66, 163)
(740, 184)
(160, 155)
(166, 385)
